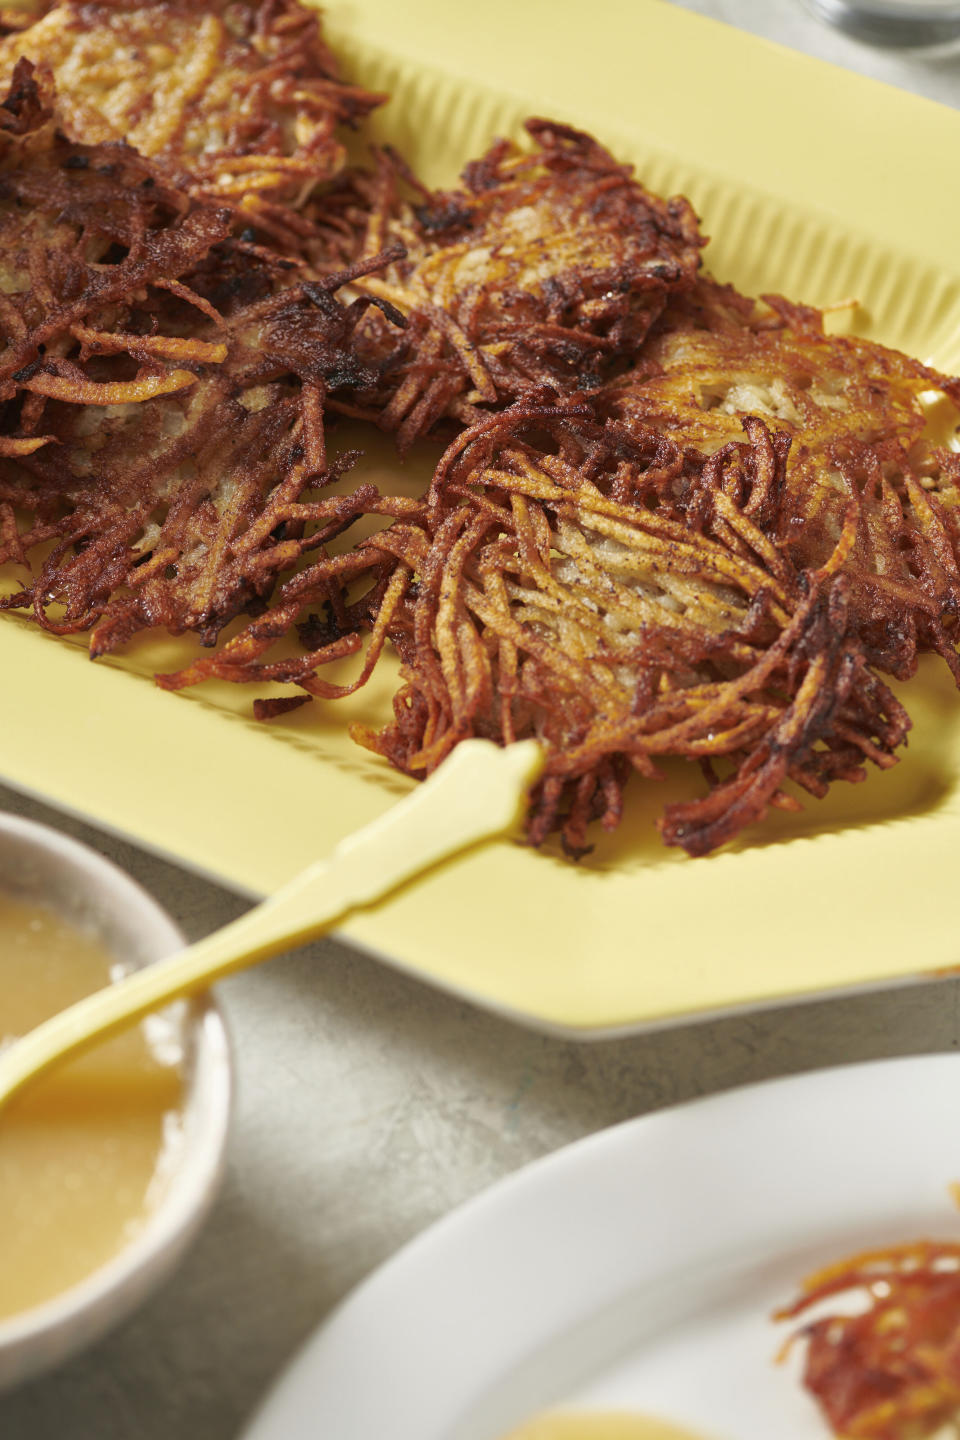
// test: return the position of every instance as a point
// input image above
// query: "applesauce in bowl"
(109, 1163)
(85, 1153)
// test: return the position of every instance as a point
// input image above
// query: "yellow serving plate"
(816, 183)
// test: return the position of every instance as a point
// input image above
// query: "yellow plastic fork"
(477, 793)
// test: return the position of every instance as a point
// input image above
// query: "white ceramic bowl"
(38, 865)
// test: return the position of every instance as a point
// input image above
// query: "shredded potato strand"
(892, 1370)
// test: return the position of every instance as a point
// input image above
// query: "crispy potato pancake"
(716, 357)
(163, 387)
(562, 595)
(891, 1370)
(242, 96)
(548, 266)
(85, 231)
(865, 461)
(551, 586)
(678, 522)
(183, 511)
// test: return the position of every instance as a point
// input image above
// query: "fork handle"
(477, 793)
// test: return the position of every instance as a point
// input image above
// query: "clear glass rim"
(919, 26)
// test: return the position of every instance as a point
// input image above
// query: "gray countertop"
(370, 1105)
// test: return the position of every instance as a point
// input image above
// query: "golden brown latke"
(863, 463)
(889, 1369)
(240, 95)
(561, 595)
(716, 355)
(551, 586)
(183, 511)
(548, 266)
(644, 575)
(85, 231)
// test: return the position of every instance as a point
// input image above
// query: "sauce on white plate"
(584, 1425)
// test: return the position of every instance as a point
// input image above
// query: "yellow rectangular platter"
(816, 183)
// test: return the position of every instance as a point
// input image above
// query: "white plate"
(638, 1268)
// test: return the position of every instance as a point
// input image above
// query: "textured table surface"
(370, 1105)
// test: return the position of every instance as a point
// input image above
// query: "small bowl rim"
(112, 1290)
